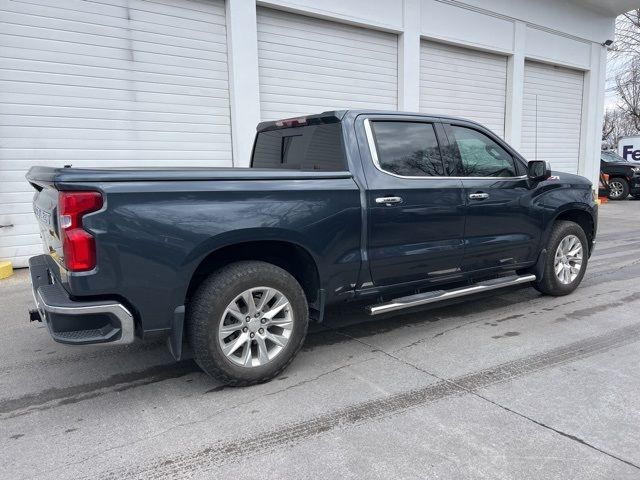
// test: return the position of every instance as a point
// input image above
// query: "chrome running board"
(439, 295)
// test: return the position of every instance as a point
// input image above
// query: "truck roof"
(334, 116)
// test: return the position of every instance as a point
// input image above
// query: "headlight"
(635, 169)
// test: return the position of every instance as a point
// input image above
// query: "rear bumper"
(73, 322)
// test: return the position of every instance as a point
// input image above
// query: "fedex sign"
(629, 148)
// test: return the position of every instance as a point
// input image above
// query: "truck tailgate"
(45, 208)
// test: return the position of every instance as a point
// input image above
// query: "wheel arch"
(286, 254)
(582, 217)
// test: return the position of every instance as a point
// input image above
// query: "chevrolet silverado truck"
(393, 210)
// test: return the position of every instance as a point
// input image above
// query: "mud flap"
(174, 340)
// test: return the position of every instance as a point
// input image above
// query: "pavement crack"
(558, 431)
(510, 410)
(184, 465)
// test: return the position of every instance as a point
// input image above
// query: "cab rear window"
(310, 147)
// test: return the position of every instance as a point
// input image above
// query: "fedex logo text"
(628, 151)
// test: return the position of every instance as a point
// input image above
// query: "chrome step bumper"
(73, 322)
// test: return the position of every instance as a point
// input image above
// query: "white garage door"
(463, 83)
(129, 83)
(309, 65)
(552, 114)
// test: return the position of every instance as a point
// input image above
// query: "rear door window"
(311, 147)
(409, 149)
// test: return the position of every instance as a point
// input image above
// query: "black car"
(624, 175)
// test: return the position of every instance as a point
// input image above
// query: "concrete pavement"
(508, 385)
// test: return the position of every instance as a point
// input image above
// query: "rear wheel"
(618, 189)
(566, 261)
(246, 322)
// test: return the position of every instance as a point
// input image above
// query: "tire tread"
(549, 283)
(201, 305)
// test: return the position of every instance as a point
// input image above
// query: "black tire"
(208, 304)
(550, 284)
(620, 193)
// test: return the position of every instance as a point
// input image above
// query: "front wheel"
(618, 189)
(566, 261)
(246, 322)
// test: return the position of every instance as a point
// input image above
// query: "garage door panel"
(14, 208)
(275, 36)
(273, 93)
(552, 115)
(72, 61)
(114, 124)
(112, 37)
(302, 28)
(87, 103)
(67, 80)
(298, 60)
(281, 72)
(109, 94)
(469, 61)
(350, 85)
(13, 69)
(462, 82)
(473, 92)
(42, 115)
(50, 9)
(134, 83)
(324, 52)
(181, 57)
(310, 105)
(308, 65)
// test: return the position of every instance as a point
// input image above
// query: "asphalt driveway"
(508, 385)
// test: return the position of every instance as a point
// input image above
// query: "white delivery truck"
(629, 148)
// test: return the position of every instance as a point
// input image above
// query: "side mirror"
(538, 170)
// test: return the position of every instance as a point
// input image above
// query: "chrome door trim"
(376, 162)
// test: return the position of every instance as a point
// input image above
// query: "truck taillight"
(78, 245)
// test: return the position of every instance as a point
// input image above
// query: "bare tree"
(628, 91)
(615, 126)
(627, 41)
(624, 66)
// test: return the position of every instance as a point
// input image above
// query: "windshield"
(611, 157)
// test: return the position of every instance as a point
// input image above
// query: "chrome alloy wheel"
(255, 327)
(568, 259)
(615, 189)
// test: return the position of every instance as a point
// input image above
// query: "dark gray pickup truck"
(394, 210)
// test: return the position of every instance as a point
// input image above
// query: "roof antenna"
(536, 134)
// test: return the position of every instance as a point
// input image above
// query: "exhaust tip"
(34, 315)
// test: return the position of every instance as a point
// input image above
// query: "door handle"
(388, 201)
(478, 196)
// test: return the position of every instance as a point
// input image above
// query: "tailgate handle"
(8, 225)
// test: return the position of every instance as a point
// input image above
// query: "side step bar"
(439, 295)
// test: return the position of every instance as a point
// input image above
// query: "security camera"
(607, 43)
